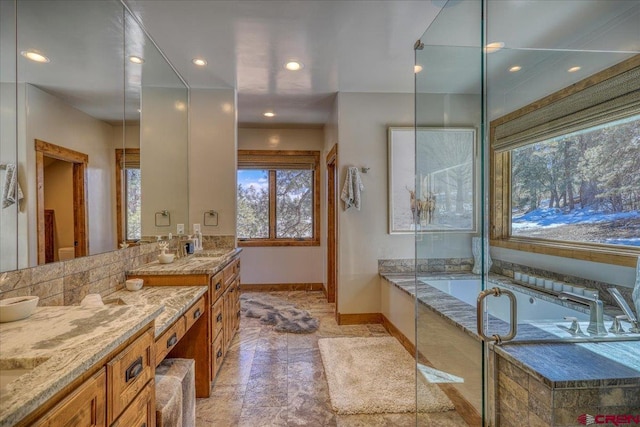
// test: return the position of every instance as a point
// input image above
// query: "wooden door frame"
(332, 226)
(80, 226)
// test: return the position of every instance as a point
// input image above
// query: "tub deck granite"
(557, 364)
(56, 345)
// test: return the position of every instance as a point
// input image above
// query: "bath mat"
(285, 318)
(375, 375)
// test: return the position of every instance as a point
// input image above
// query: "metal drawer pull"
(172, 340)
(219, 354)
(144, 425)
(497, 292)
(219, 318)
(133, 370)
(218, 286)
(196, 314)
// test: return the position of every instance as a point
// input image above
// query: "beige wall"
(363, 120)
(213, 159)
(296, 264)
(51, 120)
(58, 196)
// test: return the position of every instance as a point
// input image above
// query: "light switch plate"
(196, 228)
(180, 229)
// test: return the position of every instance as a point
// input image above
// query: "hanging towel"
(351, 190)
(11, 191)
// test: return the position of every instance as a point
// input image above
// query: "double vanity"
(96, 365)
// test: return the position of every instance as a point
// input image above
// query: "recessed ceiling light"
(417, 68)
(180, 106)
(573, 69)
(34, 56)
(139, 110)
(136, 59)
(294, 66)
(269, 114)
(199, 62)
(515, 68)
(493, 47)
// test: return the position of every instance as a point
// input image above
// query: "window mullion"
(272, 204)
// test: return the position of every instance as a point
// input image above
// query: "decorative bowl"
(134, 284)
(17, 308)
(166, 258)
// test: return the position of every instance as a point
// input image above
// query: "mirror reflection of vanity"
(81, 81)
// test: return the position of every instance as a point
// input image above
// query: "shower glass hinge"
(418, 45)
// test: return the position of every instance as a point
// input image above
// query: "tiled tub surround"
(68, 282)
(507, 269)
(610, 371)
(61, 344)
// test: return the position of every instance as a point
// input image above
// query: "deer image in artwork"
(422, 209)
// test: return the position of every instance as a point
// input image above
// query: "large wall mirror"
(94, 133)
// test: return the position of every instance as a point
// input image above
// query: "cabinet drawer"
(128, 373)
(216, 287)
(230, 271)
(195, 312)
(217, 318)
(217, 355)
(84, 407)
(142, 411)
(169, 339)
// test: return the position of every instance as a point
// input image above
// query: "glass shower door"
(448, 216)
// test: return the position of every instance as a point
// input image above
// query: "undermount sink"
(12, 369)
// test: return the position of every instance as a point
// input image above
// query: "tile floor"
(276, 379)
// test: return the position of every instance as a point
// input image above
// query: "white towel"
(11, 192)
(351, 189)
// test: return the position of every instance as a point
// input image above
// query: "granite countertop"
(594, 361)
(202, 262)
(56, 345)
(175, 299)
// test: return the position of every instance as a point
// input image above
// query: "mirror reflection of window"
(128, 195)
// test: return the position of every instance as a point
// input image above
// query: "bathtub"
(531, 309)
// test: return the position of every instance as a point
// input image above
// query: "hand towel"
(351, 189)
(11, 192)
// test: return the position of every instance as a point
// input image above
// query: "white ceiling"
(349, 46)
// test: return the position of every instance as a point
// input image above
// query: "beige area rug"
(375, 375)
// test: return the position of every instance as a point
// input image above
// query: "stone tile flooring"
(277, 379)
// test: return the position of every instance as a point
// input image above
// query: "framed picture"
(432, 188)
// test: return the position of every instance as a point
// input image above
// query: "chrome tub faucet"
(596, 311)
(617, 296)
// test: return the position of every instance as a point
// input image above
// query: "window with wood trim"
(565, 171)
(128, 195)
(278, 198)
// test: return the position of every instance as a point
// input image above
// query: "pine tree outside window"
(565, 171)
(278, 198)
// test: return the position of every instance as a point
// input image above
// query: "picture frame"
(445, 198)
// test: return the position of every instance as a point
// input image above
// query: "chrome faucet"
(596, 311)
(617, 296)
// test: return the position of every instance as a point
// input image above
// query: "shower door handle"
(497, 292)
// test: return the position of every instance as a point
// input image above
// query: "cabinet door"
(84, 407)
(142, 411)
(129, 372)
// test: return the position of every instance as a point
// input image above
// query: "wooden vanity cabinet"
(223, 312)
(118, 392)
(86, 406)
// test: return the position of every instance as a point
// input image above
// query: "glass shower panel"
(448, 215)
(562, 181)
